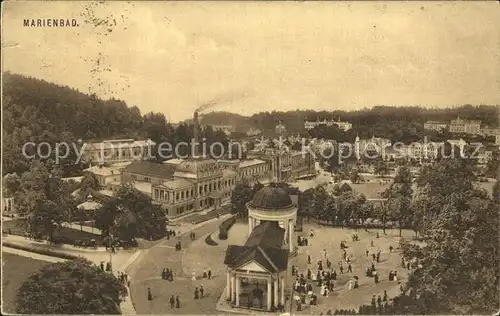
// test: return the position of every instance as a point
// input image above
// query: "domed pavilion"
(256, 271)
(274, 204)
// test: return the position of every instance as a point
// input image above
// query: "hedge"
(210, 241)
(46, 252)
(225, 226)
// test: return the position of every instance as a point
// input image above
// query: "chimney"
(196, 125)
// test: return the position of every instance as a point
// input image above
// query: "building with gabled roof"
(264, 256)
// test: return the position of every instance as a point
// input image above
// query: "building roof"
(227, 173)
(152, 169)
(119, 143)
(271, 197)
(192, 167)
(264, 246)
(177, 184)
(103, 171)
(174, 161)
(251, 162)
(76, 179)
(89, 205)
(142, 186)
(436, 122)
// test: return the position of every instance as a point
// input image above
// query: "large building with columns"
(256, 271)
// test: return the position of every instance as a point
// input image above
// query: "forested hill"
(38, 111)
(38, 107)
(379, 120)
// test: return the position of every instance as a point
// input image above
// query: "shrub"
(210, 241)
(222, 234)
(46, 252)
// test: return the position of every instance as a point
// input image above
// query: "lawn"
(16, 270)
(329, 238)
(66, 234)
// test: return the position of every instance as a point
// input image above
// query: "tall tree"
(131, 214)
(71, 287)
(400, 195)
(45, 200)
(242, 194)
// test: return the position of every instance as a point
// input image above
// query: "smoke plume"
(225, 98)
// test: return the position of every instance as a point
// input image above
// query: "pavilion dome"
(271, 197)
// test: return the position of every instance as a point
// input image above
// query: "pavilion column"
(250, 225)
(283, 290)
(228, 285)
(276, 301)
(285, 225)
(233, 288)
(238, 284)
(269, 302)
(290, 235)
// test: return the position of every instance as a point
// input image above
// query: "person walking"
(177, 302)
(349, 268)
(150, 296)
(172, 301)
(209, 274)
(196, 293)
(201, 291)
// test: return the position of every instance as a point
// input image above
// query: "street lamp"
(110, 253)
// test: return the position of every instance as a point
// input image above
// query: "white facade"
(345, 126)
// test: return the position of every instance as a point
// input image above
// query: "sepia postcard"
(250, 157)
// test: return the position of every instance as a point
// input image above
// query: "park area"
(207, 252)
(16, 270)
(64, 234)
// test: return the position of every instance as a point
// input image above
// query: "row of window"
(203, 189)
(109, 154)
(253, 171)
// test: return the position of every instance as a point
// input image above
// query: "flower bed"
(209, 241)
(225, 226)
(46, 252)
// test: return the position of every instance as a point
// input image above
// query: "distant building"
(249, 170)
(490, 131)
(254, 132)
(106, 175)
(465, 126)
(227, 129)
(285, 165)
(117, 150)
(280, 128)
(435, 125)
(372, 145)
(345, 126)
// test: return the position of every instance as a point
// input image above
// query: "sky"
(246, 57)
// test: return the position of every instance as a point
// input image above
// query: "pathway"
(146, 272)
(126, 306)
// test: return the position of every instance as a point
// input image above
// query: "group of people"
(302, 241)
(207, 274)
(375, 257)
(167, 274)
(123, 277)
(199, 293)
(170, 233)
(408, 264)
(192, 236)
(377, 301)
(108, 266)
